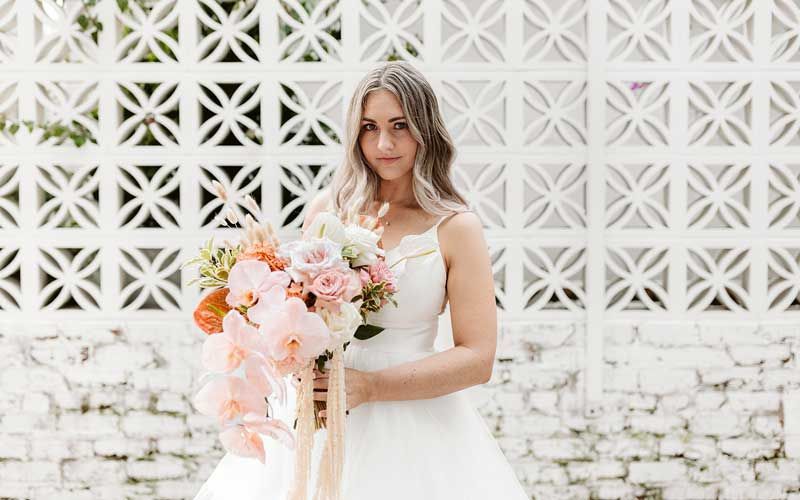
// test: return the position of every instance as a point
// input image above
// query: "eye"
(368, 125)
(401, 123)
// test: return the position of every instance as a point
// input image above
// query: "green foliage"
(215, 265)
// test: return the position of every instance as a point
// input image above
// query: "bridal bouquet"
(278, 309)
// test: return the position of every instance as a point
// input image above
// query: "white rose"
(343, 324)
(364, 243)
(326, 225)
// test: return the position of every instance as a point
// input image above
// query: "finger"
(320, 395)
(321, 383)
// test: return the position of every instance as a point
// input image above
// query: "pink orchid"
(228, 397)
(295, 333)
(248, 278)
(269, 303)
(264, 375)
(245, 439)
(224, 351)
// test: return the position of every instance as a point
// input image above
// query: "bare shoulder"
(316, 205)
(461, 237)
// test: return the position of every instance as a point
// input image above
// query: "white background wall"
(635, 164)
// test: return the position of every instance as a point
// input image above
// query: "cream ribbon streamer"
(329, 478)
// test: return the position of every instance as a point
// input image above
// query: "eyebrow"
(390, 119)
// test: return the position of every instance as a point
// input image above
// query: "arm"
(470, 289)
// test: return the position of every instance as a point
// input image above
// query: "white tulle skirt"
(426, 449)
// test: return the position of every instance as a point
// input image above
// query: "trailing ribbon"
(329, 478)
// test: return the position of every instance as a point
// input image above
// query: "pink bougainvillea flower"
(264, 375)
(224, 351)
(295, 333)
(228, 397)
(249, 278)
(245, 439)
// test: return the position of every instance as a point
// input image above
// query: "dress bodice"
(420, 274)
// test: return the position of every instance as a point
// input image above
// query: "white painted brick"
(537, 425)
(160, 468)
(619, 334)
(27, 424)
(612, 489)
(690, 491)
(129, 356)
(628, 447)
(514, 447)
(791, 423)
(95, 471)
(25, 379)
(13, 447)
(89, 424)
(172, 402)
(560, 449)
(594, 470)
(665, 381)
(779, 471)
(690, 447)
(781, 379)
(558, 358)
(717, 376)
(731, 334)
(620, 378)
(747, 491)
(718, 423)
(767, 426)
(163, 379)
(668, 334)
(752, 402)
(35, 402)
(44, 447)
(35, 471)
(656, 473)
(671, 403)
(148, 425)
(709, 400)
(121, 447)
(574, 492)
(656, 424)
(771, 355)
(750, 448)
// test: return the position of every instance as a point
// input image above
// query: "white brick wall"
(102, 411)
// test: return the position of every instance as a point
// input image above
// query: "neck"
(397, 192)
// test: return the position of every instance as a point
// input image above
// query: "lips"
(389, 159)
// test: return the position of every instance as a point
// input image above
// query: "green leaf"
(83, 21)
(123, 5)
(366, 332)
(13, 128)
(216, 310)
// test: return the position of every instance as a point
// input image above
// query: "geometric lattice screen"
(629, 158)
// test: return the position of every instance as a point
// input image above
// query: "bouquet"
(278, 309)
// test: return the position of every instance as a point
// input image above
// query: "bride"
(411, 430)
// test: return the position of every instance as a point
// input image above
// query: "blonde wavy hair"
(355, 185)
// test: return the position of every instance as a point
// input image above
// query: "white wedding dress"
(424, 449)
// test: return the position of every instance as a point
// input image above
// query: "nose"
(385, 142)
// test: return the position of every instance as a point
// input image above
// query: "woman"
(412, 433)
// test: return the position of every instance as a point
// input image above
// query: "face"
(385, 138)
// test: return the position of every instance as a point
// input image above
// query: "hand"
(358, 387)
